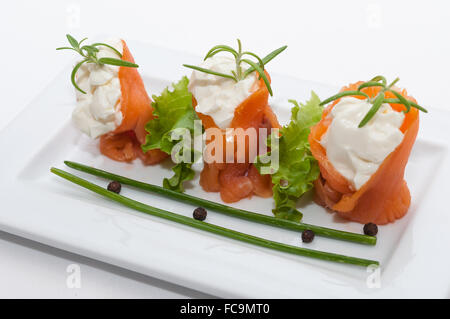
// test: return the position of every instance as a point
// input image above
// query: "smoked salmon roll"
(228, 96)
(112, 103)
(362, 145)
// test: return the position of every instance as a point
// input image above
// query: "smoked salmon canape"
(112, 103)
(362, 145)
(230, 95)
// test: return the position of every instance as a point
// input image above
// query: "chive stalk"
(228, 210)
(225, 232)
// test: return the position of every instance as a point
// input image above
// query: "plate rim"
(16, 226)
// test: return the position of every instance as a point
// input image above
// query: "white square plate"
(414, 252)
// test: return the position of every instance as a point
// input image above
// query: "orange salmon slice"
(385, 197)
(236, 181)
(124, 143)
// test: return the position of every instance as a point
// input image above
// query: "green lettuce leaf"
(297, 169)
(174, 116)
(182, 173)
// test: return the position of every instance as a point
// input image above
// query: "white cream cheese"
(356, 153)
(217, 96)
(99, 111)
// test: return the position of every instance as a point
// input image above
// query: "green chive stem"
(225, 232)
(342, 94)
(197, 68)
(228, 210)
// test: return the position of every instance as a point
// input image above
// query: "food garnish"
(298, 169)
(378, 99)
(384, 196)
(174, 115)
(228, 210)
(307, 236)
(200, 213)
(211, 228)
(115, 187)
(239, 74)
(89, 54)
(370, 229)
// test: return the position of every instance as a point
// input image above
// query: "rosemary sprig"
(238, 74)
(89, 54)
(211, 228)
(228, 210)
(379, 99)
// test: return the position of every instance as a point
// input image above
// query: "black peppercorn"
(370, 229)
(307, 236)
(200, 213)
(114, 187)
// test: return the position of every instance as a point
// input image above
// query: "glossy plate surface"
(414, 252)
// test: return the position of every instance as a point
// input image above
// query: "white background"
(334, 42)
